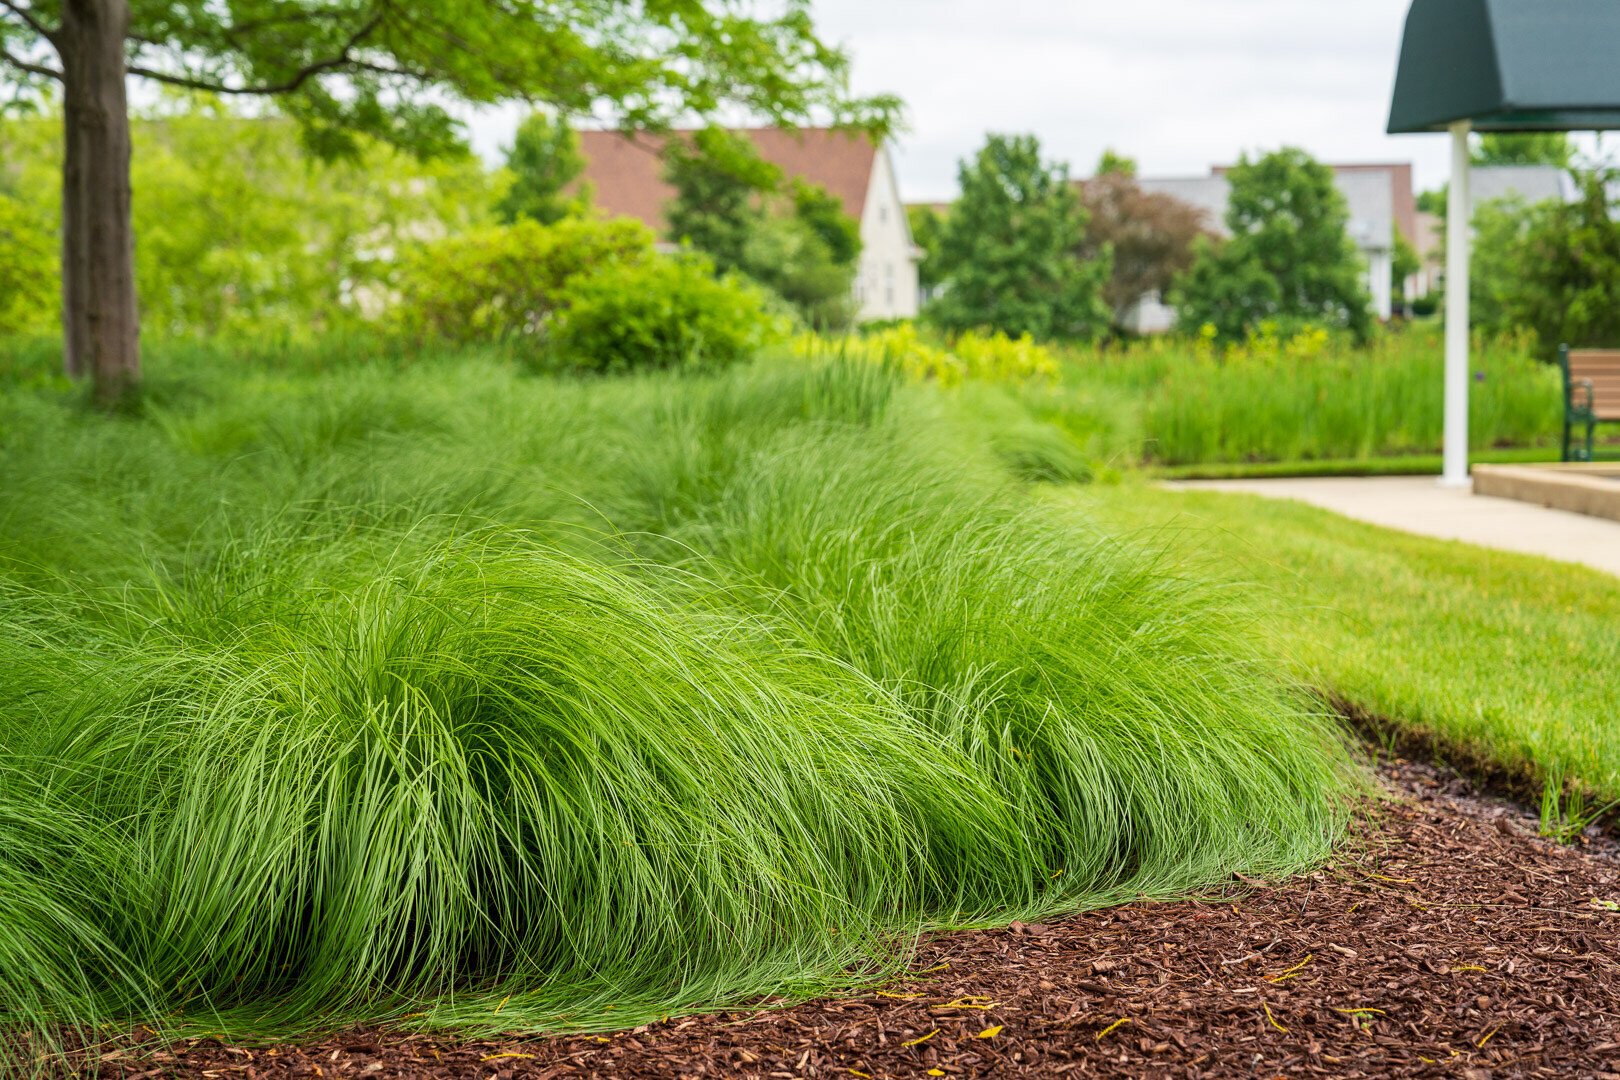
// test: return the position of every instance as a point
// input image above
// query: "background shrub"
(313, 254)
(659, 313)
(506, 281)
(978, 355)
(738, 210)
(27, 270)
(999, 358)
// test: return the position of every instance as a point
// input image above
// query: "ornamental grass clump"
(437, 694)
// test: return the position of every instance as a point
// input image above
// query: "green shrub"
(898, 348)
(1008, 249)
(794, 238)
(505, 282)
(978, 355)
(28, 262)
(996, 357)
(660, 313)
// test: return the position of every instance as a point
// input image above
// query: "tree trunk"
(100, 323)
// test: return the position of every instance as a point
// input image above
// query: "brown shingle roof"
(626, 171)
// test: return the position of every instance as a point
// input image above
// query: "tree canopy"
(544, 159)
(1150, 236)
(721, 185)
(927, 232)
(241, 233)
(1404, 263)
(1113, 163)
(27, 268)
(1524, 148)
(348, 71)
(1288, 225)
(344, 68)
(739, 210)
(1553, 267)
(1008, 252)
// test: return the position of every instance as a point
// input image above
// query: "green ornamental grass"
(425, 691)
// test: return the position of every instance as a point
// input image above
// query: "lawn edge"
(1521, 783)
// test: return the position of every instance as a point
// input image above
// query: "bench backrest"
(1602, 368)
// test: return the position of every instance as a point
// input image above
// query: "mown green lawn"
(1398, 465)
(1505, 656)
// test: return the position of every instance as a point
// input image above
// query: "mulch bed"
(1447, 940)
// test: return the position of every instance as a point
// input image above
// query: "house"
(1381, 203)
(625, 172)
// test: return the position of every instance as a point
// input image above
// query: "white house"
(1374, 194)
(626, 176)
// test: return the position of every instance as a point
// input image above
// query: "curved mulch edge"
(1488, 775)
(1448, 940)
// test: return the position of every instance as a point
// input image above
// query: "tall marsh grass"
(1315, 400)
(436, 693)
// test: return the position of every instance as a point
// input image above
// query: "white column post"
(1459, 238)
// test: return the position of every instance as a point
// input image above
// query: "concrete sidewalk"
(1418, 504)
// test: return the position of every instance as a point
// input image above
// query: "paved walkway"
(1417, 504)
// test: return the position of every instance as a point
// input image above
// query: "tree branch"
(298, 79)
(344, 59)
(32, 69)
(30, 20)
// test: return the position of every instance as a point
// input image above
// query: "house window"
(883, 214)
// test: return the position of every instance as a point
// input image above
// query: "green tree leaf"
(543, 161)
(1288, 225)
(1007, 256)
(1524, 148)
(1552, 267)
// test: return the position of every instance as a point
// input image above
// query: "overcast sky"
(1177, 84)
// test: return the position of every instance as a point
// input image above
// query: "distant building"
(626, 176)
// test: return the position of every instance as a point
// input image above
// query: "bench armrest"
(1591, 397)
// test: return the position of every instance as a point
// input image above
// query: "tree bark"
(100, 321)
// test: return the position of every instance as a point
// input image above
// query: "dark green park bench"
(1591, 397)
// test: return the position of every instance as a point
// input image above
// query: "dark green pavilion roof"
(1509, 65)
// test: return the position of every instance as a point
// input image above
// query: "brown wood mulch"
(1446, 940)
